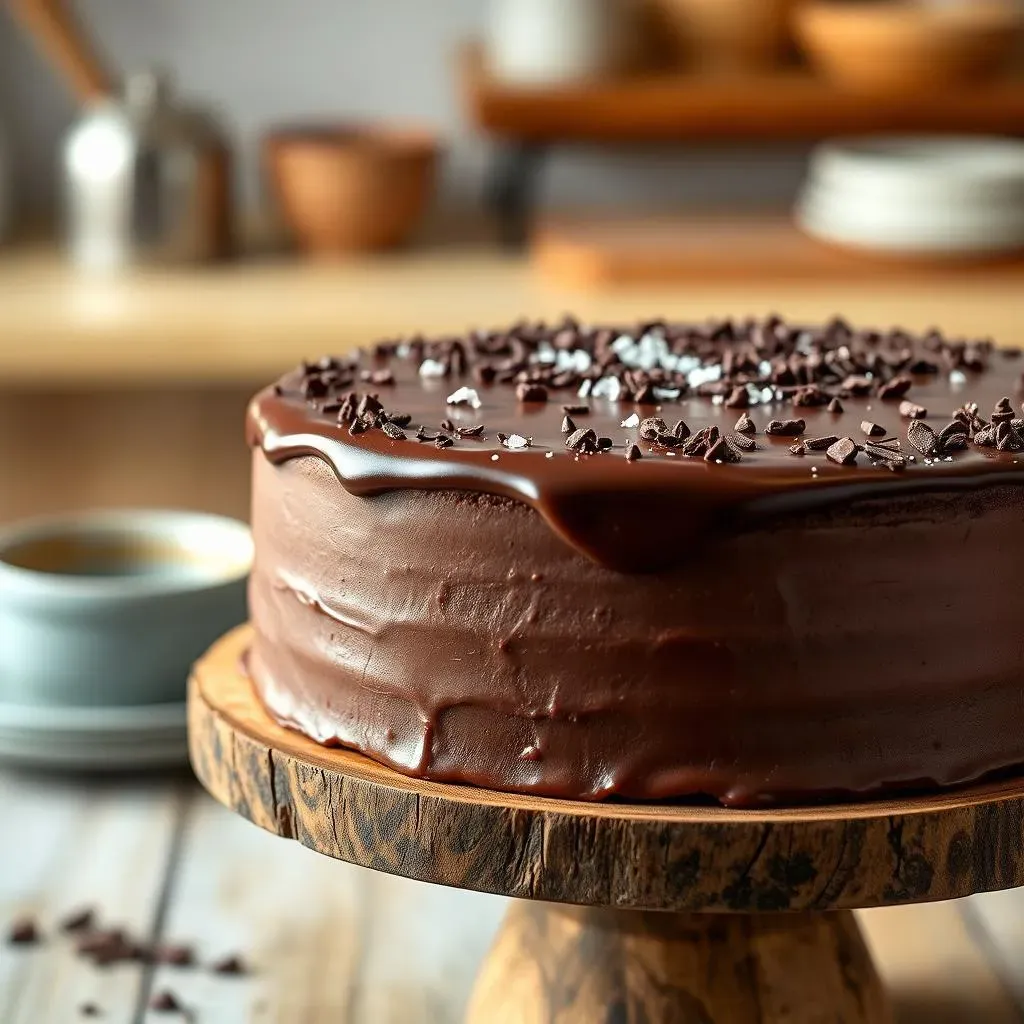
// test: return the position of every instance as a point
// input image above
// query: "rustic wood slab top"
(330, 943)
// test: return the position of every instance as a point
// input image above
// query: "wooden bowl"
(907, 46)
(726, 35)
(351, 188)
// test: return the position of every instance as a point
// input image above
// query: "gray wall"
(260, 62)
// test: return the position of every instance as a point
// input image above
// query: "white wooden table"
(333, 944)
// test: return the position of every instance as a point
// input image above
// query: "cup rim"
(166, 524)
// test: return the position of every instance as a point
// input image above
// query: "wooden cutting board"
(595, 252)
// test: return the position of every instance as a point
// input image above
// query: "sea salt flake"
(957, 378)
(515, 442)
(631, 421)
(431, 368)
(464, 396)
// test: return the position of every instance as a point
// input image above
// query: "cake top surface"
(677, 426)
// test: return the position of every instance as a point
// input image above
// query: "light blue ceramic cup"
(112, 608)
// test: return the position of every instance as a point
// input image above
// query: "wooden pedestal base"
(678, 910)
(587, 965)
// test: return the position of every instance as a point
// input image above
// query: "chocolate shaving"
(652, 427)
(681, 430)
(531, 393)
(912, 411)
(785, 428)
(921, 437)
(952, 438)
(895, 388)
(872, 429)
(233, 964)
(985, 438)
(399, 419)
(844, 451)
(835, 406)
(633, 453)
(583, 441)
(24, 932)
(443, 441)
(357, 427)
(745, 425)
(174, 956)
(568, 427)
(447, 424)
(742, 442)
(395, 432)
(820, 444)
(722, 451)
(78, 921)
(738, 398)
(576, 410)
(1007, 439)
(165, 1001)
(475, 431)
(798, 449)
(701, 443)
(1003, 412)
(892, 459)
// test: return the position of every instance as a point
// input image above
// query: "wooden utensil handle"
(60, 37)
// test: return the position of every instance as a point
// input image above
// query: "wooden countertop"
(329, 943)
(245, 323)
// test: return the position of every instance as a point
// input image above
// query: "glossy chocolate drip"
(802, 629)
(597, 502)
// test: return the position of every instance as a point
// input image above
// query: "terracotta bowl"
(726, 35)
(908, 46)
(351, 188)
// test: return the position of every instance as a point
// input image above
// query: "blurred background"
(194, 196)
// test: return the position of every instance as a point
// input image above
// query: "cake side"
(835, 652)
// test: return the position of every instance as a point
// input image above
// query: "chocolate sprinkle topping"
(912, 411)
(165, 1002)
(785, 428)
(722, 451)
(23, 932)
(844, 451)
(820, 444)
(742, 442)
(78, 921)
(921, 436)
(582, 441)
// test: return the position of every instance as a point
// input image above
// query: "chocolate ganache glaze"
(752, 561)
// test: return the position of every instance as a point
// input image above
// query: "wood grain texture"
(325, 942)
(577, 965)
(674, 106)
(97, 844)
(246, 323)
(651, 857)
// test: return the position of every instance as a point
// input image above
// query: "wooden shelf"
(244, 324)
(790, 105)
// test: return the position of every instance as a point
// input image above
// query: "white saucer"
(95, 738)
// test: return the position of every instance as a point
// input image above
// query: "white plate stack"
(94, 738)
(936, 198)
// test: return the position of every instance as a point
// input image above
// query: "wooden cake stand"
(759, 925)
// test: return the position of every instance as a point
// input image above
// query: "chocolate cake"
(747, 561)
